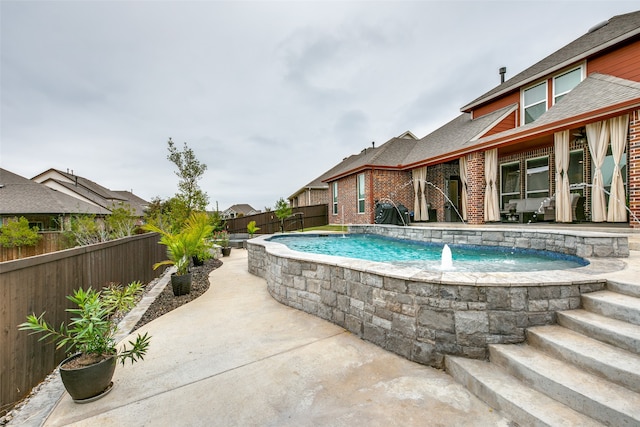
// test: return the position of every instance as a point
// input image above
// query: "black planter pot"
(181, 284)
(88, 383)
(226, 251)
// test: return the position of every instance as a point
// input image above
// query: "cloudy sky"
(268, 94)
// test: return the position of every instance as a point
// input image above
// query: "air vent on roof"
(598, 26)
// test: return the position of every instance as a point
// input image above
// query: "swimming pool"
(428, 255)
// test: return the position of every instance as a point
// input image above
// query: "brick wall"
(475, 188)
(379, 184)
(633, 182)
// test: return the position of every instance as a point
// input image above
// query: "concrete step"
(612, 363)
(611, 331)
(614, 305)
(511, 397)
(631, 289)
(586, 393)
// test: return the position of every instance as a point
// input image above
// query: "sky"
(268, 94)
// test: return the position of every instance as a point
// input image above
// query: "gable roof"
(21, 196)
(242, 208)
(89, 191)
(389, 155)
(454, 136)
(597, 97)
(613, 31)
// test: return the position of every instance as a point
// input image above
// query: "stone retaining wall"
(420, 315)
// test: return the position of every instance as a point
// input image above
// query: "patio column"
(475, 187)
(563, 198)
(463, 177)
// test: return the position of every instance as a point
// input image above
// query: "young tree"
(121, 222)
(283, 211)
(16, 233)
(190, 171)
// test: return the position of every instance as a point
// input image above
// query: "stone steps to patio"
(583, 371)
(614, 305)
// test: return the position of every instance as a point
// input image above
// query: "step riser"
(489, 396)
(630, 289)
(625, 378)
(559, 392)
(513, 399)
(593, 331)
(614, 311)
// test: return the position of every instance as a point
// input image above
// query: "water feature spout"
(585, 185)
(446, 261)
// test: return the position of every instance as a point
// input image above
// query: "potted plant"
(221, 238)
(182, 247)
(199, 228)
(87, 373)
(252, 229)
(178, 255)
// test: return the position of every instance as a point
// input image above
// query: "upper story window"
(535, 102)
(563, 83)
(537, 99)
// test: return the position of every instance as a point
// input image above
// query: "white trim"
(583, 75)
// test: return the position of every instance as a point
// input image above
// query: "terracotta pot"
(181, 284)
(88, 383)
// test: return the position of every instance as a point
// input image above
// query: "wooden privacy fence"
(51, 241)
(302, 217)
(41, 283)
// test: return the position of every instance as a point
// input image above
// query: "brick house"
(559, 142)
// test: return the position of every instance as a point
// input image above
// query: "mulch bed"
(166, 301)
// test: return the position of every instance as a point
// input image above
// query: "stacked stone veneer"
(582, 244)
(416, 314)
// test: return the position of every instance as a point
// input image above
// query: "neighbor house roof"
(601, 37)
(242, 208)
(89, 191)
(21, 196)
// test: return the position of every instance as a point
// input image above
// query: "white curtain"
(416, 192)
(491, 206)
(617, 206)
(563, 198)
(420, 211)
(463, 178)
(598, 139)
(424, 212)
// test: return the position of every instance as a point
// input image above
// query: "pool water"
(428, 256)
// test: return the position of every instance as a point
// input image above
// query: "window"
(563, 83)
(538, 177)
(509, 182)
(535, 102)
(576, 170)
(361, 193)
(335, 198)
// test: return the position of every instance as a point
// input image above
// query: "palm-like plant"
(190, 241)
(92, 329)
